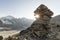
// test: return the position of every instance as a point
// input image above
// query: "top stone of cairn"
(43, 10)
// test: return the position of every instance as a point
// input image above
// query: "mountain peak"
(8, 17)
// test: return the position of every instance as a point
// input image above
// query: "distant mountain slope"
(15, 23)
(55, 20)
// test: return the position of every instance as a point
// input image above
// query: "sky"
(25, 8)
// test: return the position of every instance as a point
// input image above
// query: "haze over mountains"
(15, 23)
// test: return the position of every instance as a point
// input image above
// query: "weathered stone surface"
(40, 28)
(43, 10)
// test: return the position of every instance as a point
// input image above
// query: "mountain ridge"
(16, 23)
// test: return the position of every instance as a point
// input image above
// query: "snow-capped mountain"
(15, 23)
(8, 17)
(7, 20)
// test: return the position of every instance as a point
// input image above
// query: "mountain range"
(15, 23)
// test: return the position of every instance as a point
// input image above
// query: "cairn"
(40, 27)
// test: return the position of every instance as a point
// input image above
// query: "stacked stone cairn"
(41, 27)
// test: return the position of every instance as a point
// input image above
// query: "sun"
(36, 16)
